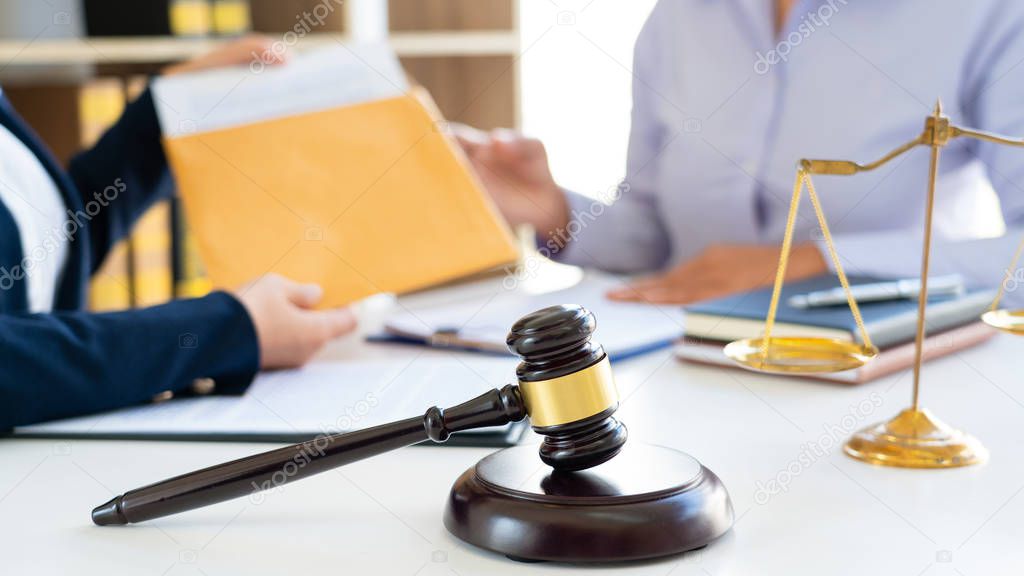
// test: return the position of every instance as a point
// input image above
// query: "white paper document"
(322, 397)
(624, 329)
(321, 79)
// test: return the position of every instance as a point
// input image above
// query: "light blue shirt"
(723, 109)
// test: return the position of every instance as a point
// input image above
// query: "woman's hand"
(244, 50)
(722, 270)
(514, 170)
(289, 331)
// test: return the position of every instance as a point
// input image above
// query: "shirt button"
(203, 386)
(163, 396)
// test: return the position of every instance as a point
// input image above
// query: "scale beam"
(986, 136)
(848, 168)
(937, 132)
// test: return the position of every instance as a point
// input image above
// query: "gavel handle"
(274, 468)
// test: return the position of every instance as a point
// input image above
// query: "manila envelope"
(360, 199)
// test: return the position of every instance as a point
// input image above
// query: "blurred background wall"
(559, 69)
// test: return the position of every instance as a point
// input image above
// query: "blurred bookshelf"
(71, 80)
(161, 50)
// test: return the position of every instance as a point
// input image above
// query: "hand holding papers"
(325, 170)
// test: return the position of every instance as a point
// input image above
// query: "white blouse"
(723, 108)
(34, 201)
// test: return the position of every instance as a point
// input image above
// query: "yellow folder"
(361, 199)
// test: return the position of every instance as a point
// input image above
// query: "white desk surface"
(383, 516)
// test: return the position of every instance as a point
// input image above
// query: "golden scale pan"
(1011, 321)
(803, 355)
(914, 438)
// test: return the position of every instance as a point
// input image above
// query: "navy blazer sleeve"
(68, 363)
(71, 362)
(128, 164)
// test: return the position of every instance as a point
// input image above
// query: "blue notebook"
(888, 323)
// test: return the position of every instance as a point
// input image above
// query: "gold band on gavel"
(572, 397)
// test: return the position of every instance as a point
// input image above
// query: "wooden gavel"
(565, 387)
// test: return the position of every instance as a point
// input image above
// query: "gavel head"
(566, 384)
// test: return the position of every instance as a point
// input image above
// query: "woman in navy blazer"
(69, 361)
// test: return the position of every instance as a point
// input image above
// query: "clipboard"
(297, 405)
(625, 329)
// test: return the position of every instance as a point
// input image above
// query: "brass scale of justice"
(597, 498)
(914, 438)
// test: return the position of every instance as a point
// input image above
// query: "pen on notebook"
(951, 285)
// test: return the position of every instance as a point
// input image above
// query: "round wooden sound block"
(647, 501)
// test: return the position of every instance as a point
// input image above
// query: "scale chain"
(803, 178)
(780, 272)
(854, 309)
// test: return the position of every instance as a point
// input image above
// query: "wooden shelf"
(144, 50)
(456, 43)
(423, 15)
